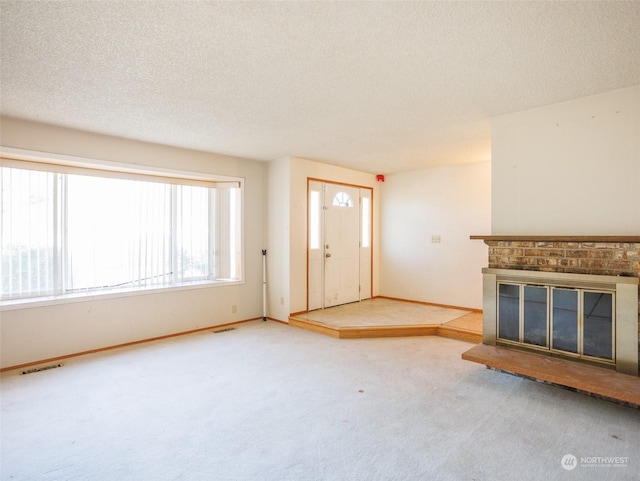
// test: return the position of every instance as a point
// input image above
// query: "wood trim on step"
(387, 331)
(315, 327)
(460, 334)
(424, 303)
(368, 332)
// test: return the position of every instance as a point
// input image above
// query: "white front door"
(339, 244)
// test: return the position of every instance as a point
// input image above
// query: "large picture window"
(65, 231)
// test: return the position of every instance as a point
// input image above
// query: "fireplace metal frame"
(549, 347)
(625, 301)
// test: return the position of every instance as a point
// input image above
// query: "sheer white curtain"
(72, 232)
(192, 223)
(118, 233)
(28, 232)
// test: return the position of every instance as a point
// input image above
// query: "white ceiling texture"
(380, 87)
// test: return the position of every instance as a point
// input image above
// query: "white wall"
(453, 202)
(571, 168)
(34, 334)
(279, 233)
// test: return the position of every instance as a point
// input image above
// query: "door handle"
(328, 254)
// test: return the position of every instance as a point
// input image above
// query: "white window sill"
(15, 304)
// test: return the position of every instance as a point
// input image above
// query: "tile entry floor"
(390, 312)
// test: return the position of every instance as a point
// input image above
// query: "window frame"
(10, 157)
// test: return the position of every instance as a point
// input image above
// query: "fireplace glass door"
(597, 339)
(565, 320)
(536, 315)
(571, 321)
(509, 312)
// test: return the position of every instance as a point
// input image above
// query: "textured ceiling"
(376, 86)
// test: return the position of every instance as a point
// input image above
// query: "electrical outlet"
(282, 301)
(435, 239)
(234, 309)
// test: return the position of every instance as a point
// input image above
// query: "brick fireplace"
(584, 265)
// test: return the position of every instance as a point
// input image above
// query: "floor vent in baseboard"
(43, 368)
(223, 330)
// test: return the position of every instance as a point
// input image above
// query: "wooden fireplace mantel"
(558, 238)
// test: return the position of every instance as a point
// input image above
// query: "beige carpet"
(269, 402)
(383, 312)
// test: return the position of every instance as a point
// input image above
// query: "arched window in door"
(342, 199)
